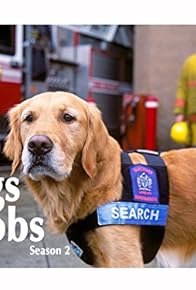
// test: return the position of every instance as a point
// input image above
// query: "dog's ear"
(13, 145)
(96, 141)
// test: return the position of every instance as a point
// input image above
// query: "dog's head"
(49, 131)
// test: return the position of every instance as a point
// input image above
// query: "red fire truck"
(91, 61)
(11, 61)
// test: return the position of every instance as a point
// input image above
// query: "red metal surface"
(133, 120)
(151, 122)
(90, 98)
(10, 94)
(139, 123)
(90, 69)
(76, 39)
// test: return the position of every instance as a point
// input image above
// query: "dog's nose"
(40, 145)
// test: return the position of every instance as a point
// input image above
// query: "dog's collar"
(144, 202)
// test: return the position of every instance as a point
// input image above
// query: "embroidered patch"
(122, 212)
(144, 183)
(77, 250)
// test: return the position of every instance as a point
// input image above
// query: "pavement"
(17, 254)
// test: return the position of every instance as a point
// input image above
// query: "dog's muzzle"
(39, 148)
(41, 157)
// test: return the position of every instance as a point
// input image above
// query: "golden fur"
(93, 159)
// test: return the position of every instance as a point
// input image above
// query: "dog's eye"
(28, 118)
(68, 118)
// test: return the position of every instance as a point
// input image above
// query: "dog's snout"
(40, 144)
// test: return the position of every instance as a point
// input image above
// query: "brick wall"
(159, 52)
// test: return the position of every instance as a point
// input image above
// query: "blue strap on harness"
(144, 202)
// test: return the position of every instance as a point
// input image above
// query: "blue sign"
(121, 212)
(144, 183)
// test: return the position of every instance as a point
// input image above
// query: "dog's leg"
(116, 246)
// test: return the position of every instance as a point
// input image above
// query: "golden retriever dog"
(72, 165)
